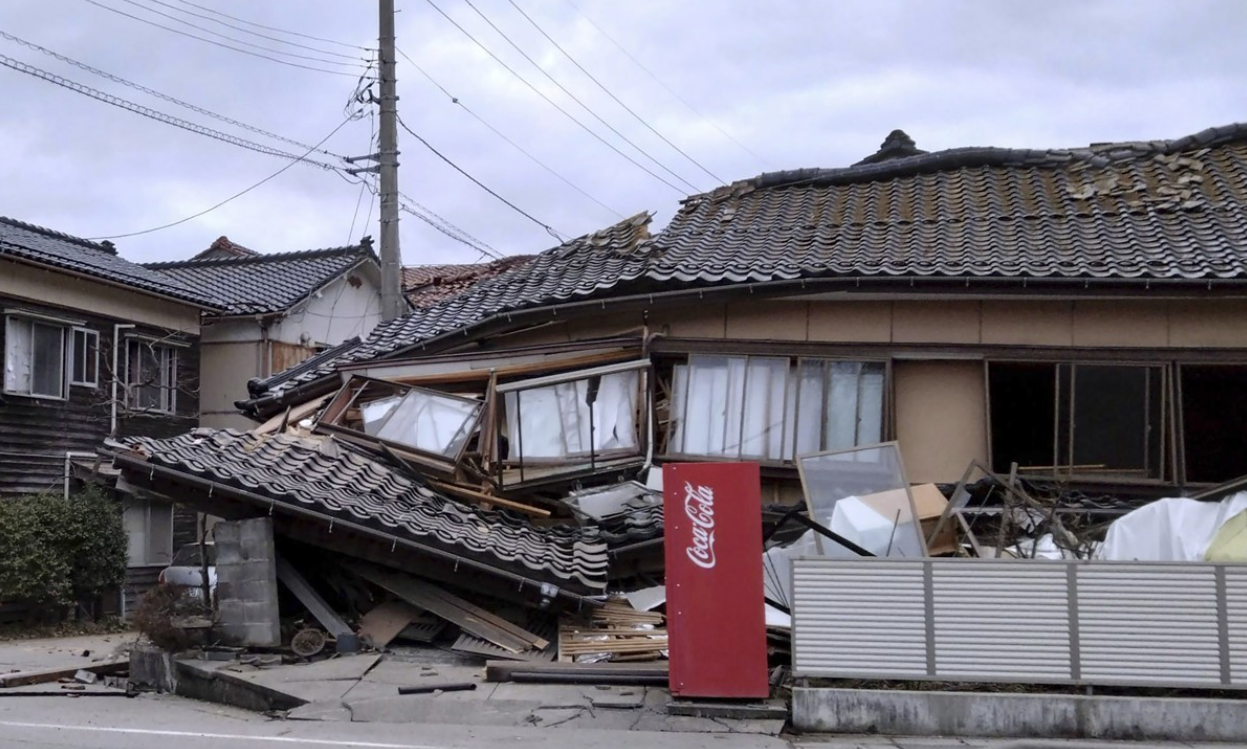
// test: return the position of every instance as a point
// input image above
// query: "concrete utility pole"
(391, 256)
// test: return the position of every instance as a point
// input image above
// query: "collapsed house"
(1066, 318)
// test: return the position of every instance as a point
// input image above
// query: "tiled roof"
(248, 284)
(639, 522)
(1137, 211)
(1151, 210)
(223, 248)
(576, 268)
(47, 247)
(322, 476)
(426, 285)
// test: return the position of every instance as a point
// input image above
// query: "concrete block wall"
(246, 591)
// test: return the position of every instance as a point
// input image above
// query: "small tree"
(59, 551)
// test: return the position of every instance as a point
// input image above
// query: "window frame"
(1168, 437)
(790, 435)
(168, 390)
(32, 319)
(93, 338)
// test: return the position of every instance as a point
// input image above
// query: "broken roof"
(324, 476)
(426, 285)
(36, 244)
(1151, 211)
(246, 282)
(575, 268)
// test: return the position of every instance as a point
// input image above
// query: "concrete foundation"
(152, 668)
(246, 589)
(904, 713)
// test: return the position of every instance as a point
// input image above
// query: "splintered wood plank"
(384, 622)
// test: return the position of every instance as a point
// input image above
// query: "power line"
(608, 92)
(456, 100)
(551, 102)
(553, 232)
(297, 159)
(271, 28)
(219, 44)
(228, 25)
(153, 114)
(157, 94)
(665, 87)
(575, 98)
(197, 27)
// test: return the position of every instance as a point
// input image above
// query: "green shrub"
(57, 551)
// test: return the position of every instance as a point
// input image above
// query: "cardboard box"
(929, 503)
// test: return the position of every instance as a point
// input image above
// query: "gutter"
(544, 589)
(321, 386)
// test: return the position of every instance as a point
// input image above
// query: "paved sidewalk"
(62, 652)
(364, 689)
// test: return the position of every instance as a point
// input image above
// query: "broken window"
(1214, 411)
(579, 417)
(862, 494)
(1102, 420)
(419, 421)
(34, 358)
(765, 408)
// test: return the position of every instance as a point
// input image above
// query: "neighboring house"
(1079, 312)
(94, 347)
(278, 310)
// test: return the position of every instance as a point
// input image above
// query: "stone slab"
(986, 714)
(769, 710)
(330, 711)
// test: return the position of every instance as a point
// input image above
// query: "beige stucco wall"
(74, 293)
(1084, 323)
(224, 369)
(941, 417)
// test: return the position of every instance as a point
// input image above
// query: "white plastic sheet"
(1169, 530)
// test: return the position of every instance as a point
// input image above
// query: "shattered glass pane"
(373, 414)
(574, 419)
(862, 495)
(431, 422)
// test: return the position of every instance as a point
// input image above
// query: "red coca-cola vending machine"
(716, 622)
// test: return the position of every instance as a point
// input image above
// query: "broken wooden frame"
(404, 418)
(576, 422)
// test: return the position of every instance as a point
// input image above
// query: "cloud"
(801, 83)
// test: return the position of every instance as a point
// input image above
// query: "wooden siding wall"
(35, 433)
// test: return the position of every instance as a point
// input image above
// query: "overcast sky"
(796, 83)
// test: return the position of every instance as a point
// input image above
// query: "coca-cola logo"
(699, 507)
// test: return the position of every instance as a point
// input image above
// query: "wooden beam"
(476, 496)
(43, 676)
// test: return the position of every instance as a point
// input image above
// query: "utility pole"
(391, 257)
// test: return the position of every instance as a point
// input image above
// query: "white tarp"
(1169, 530)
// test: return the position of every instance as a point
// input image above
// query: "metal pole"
(391, 256)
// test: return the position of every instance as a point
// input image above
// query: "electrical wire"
(609, 93)
(372, 134)
(575, 98)
(551, 102)
(270, 28)
(297, 159)
(153, 114)
(120, 12)
(157, 94)
(227, 37)
(456, 100)
(228, 25)
(667, 88)
(551, 230)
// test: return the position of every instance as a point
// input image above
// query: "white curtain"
(553, 422)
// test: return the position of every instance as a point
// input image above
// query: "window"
(151, 376)
(428, 421)
(594, 415)
(85, 358)
(1214, 411)
(1102, 420)
(149, 530)
(34, 358)
(768, 408)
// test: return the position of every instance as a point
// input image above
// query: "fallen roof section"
(322, 477)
